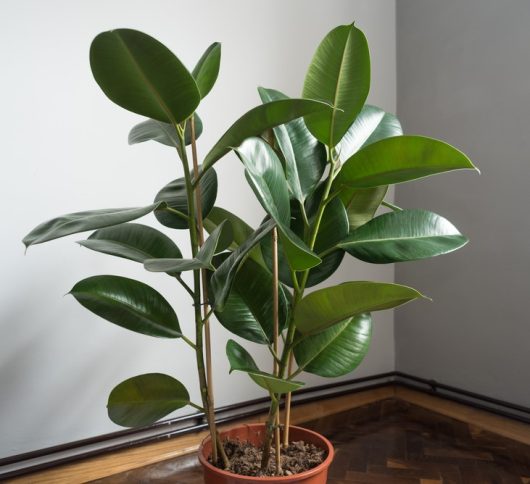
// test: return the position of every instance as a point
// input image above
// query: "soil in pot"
(245, 458)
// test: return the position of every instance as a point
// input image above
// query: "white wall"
(64, 148)
(463, 71)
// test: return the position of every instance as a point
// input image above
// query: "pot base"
(254, 433)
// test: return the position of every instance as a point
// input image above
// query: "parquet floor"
(388, 442)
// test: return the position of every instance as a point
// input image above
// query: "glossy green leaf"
(73, 223)
(248, 312)
(241, 231)
(223, 278)
(371, 125)
(403, 236)
(174, 194)
(260, 119)
(340, 75)
(132, 241)
(305, 157)
(163, 133)
(265, 175)
(142, 75)
(128, 303)
(399, 159)
(240, 360)
(144, 399)
(218, 241)
(337, 350)
(362, 203)
(207, 69)
(324, 308)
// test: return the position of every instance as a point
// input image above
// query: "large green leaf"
(132, 241)
(207, 69)
(240, 360)
(174, 194)
(305, 157)
(142, 75)
(223, 278)
(265, 175)
(331, 305)
(241, 231)
(371, 125)
(399, 159)
(144, 399)
(218, 241)
(403, 236)
(362, 203)
(128, 303)
(73, 223)
(163, 133)
(248, 312)
(337, 350)
(260, 119)
(340, 75)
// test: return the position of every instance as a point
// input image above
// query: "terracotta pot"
(254, 433)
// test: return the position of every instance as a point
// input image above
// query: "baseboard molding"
(119, 451)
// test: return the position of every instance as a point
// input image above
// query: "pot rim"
(301, 475)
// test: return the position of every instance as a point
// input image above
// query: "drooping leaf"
(142, 75)
(163, 133)
(333, 227)
(265, 175)
(174, 194)
(340, 75)
(128, 303)
(371, 125)
(337, 350)
(298, 255)
(240, 360)
(144, 399)
(207, 69)
(258, 120)
(403, 236)
(248, 312)
(362, 203)
(305, 157)
(73, 223)
(132, 241)
(399, 159)
(223, 278)
(325, 307)
(240, 230)
(218, 241)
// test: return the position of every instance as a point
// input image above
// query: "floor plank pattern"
(391, 441)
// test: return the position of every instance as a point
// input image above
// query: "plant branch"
(205, 321)
(185, 286)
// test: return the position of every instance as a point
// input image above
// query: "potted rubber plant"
(320, 166)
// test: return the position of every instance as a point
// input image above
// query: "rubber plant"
(320, 166)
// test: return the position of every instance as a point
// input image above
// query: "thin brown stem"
(276, 324)
(206, 312)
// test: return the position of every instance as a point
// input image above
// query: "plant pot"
(254, 433)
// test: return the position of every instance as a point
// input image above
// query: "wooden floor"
(390, 441)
